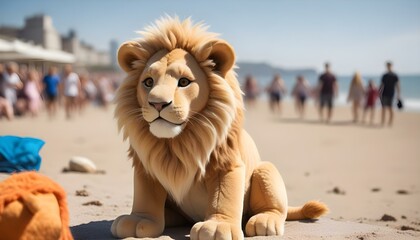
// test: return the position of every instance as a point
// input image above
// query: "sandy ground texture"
(368, 175)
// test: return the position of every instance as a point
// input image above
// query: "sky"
(356, 35)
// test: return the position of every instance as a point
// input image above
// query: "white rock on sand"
(82, 164)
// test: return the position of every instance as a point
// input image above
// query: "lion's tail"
(311, 210)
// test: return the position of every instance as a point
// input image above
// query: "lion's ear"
(127, 54)
(223, 57)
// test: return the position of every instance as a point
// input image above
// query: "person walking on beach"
(371, 96)
(276, 90)
(251, 90)
(300, 92)
(356, 95)
(390, 82)
(71, 89)
(106, 90)
(5, 106)
(11, 83)
(32, 91)
(51, 82)
(2, 81)
(327, 88)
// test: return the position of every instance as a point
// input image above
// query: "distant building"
(39, 30)
(85, 54)
(70, 43)
(11, 32)
(104, 58)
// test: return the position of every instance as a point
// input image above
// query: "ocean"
(410, 88)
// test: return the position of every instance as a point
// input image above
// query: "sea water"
(410, 88)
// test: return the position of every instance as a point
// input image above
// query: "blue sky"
(352, 35)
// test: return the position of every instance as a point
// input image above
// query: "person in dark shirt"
(327, 88)
(389, 84)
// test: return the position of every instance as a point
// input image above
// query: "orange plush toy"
(32, 206)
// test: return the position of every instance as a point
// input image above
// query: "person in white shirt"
(71, 90)
(11, 82)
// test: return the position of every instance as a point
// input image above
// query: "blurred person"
(300, 92)
(314, 94)
(84, 97)
(91, 90)
(71, 88)
(33, 92)
(6, 108)
(328, 89)
(356, 95)
(251, 90)
(88, 92)
(23, 72)
(371, 96)
(276, 90)
(2, 81)
(389, 84)
(11, 83)
(21, 105)
(51, 83)
(106, 90)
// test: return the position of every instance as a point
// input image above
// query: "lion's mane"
(210, 136)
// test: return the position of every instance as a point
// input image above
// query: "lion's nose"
(160, 105)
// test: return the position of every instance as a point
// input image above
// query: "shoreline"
(411, 105)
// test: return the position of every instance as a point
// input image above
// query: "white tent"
(16, 50)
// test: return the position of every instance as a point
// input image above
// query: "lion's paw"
(212, 230)
(265, 224)
(136, 226)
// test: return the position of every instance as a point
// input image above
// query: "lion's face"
(172, 88)
(181, 86)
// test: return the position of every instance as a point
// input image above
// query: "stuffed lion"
(181, 109)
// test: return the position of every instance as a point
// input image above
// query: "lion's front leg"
(147, 216)
(225, 206)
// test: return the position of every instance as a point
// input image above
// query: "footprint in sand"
(96, 203)
(337, 190)
(402, 192)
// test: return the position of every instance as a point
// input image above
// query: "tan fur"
(212, 158)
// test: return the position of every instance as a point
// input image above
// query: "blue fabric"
(19, 154)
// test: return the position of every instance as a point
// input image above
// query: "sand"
(362, 172)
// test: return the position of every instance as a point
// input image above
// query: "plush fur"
(32, 206)
(193, 161)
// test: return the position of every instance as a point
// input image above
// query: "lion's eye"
(183, 82)
(148, 82)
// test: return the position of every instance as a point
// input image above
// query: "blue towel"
(19, 154)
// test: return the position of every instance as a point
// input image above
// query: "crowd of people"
(362, 98)
(26, 91)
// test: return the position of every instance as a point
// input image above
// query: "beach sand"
(362, 172)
